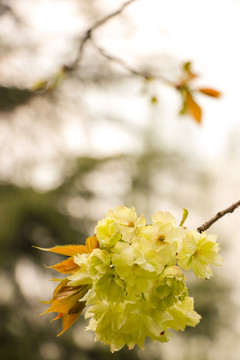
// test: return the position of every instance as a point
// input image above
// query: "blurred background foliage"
(68, 214)
(54, 193)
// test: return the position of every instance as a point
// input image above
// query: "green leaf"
(185, 215)
(187, 66)
(154, 100)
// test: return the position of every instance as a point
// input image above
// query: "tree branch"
(218, 216)
(88, 34)
(144, 74)
(7, 9)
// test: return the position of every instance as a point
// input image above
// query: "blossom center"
(160, 238)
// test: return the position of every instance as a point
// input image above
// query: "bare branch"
(218, 216)
(121, 62)
(7, 9)
(144, 74)
(87, 36)
(88, 33)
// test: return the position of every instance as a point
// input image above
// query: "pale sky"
(166, 33)
(163, 33)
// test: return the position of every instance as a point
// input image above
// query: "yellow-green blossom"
(164, 217)
(198, 252)
(183, 315)
(169, 288)
(91, 267)
(127, 220)
(129, 276)
(108, 232)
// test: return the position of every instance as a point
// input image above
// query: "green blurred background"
(97, 141)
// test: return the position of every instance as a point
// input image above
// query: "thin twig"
(144, 74)
(218, 216)
(7, 9)
(88, 36)
(121, 62)
(89, 32)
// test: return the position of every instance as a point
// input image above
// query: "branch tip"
(218, 216)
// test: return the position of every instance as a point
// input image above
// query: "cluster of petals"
(131, 280)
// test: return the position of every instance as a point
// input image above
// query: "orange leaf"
(210, 92)
(68, 250)
(69, 319)
(64, 302)
(59, 316)
(69, 291)
(193, 108)
(58, 288)
(92, 243)
(66, 266)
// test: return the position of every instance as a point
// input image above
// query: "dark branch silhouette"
(6, 9)
(184, 87)
(88, 34)
(218, 216)
(144, 74)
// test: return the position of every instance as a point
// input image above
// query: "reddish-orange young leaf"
(71, 307)
(69, 291)
(193, 108)
(66, 299)
(59, 316)
(92, 243)
(58, 288)
(61, 285)
(210, 92)
(66, 266)
(192, 76)
(66, 302)
(68, 250)
(69, 319)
